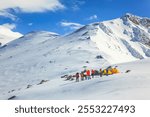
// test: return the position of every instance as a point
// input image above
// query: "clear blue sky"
(64, 20)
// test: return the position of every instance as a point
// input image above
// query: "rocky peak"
(144, 21)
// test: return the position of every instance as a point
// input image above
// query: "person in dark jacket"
(92, 73)
(101, 72)
(77, 77)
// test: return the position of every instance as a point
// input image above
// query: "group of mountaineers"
(88, 74)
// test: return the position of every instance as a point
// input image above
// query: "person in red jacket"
(88, 74)
(92, 73)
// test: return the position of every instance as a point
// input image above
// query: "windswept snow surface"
(132, 85)
(48, 56)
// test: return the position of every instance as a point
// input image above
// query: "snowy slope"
(42, 55)
(48, 56)
(7, 35)
(132, 85)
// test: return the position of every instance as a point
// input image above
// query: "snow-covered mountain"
(7, 35)
(48, 56)
(121, 39)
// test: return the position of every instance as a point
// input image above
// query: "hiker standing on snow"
(101, 73)
(92, 73)
(85, 77)
(77, 77)
(82, 76)
(88, 74)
